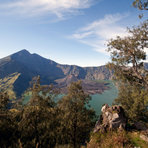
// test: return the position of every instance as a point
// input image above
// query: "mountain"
(28, 65)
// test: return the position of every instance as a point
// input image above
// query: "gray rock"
(111, 118)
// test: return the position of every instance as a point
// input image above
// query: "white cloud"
(40, 7)
(98, 32)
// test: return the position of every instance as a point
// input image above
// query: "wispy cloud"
(98, 32)
(60, 8)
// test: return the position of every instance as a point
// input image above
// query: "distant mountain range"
(24, 66)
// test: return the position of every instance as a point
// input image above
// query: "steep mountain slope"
(30, 65)
(7, 84)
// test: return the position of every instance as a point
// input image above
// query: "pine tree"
(77, 117)
(38, 122)
(8, 124)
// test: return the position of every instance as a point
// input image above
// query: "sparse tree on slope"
(77, 118)
(8, 124)
(4, 100)
(38, 121)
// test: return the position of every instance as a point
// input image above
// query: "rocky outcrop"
(111, 118)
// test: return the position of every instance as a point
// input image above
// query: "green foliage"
(134, 101)
(128, 55)
(38, 122)
(135, 140)
(4, 99)
(8, 126)
(111, 139)
(8, 131)
(77, 118)
(116, 139)
(38, 126)
(43, 123)
(141, 4)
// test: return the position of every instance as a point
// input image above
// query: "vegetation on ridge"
(128, 58)
(7, 84)
(46, 123)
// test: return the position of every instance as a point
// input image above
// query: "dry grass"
(6, 84)
(116, 139)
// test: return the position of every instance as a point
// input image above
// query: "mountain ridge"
(30, 65)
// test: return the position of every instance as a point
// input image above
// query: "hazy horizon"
(50, 59)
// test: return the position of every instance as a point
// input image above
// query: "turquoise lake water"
(107, 97)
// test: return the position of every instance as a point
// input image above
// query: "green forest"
(45, 123)
(69, 122)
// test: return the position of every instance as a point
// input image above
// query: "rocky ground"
(89, 86)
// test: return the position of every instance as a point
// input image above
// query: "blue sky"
(66, 31)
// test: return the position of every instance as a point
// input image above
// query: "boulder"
(111, 118)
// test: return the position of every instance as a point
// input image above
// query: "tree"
(77, 117)
(42, 94)
(38, 122)
(38, 127)
(4, 100)
(127, 61)
(141, 4)
(8, 125)
(128, 55)
(134, 101)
